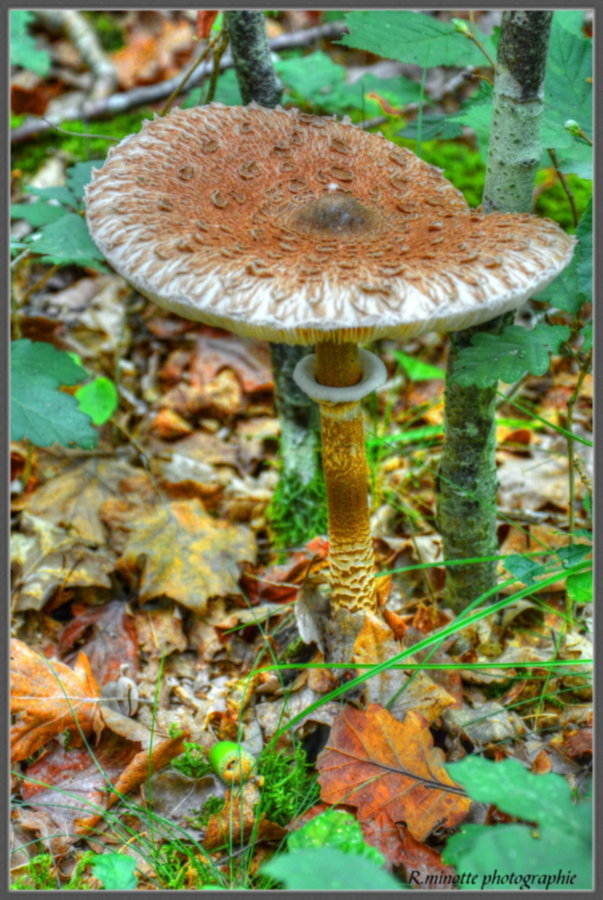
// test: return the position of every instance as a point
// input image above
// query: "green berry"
(231, 762)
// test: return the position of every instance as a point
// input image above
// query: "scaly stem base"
(352, 565)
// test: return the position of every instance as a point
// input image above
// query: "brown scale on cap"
(297, 228)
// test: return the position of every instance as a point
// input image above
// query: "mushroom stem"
(351, 557)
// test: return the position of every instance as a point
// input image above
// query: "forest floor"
(152, 615)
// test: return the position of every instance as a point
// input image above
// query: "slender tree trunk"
(467, 476)
(298, 511)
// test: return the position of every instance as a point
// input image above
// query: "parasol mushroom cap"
(296, 228)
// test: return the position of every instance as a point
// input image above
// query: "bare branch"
(142, 96)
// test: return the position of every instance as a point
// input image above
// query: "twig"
(82, 134)
(564, 185)
(86, 42)
(219, 49)
(143, 96)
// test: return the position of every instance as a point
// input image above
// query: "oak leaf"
(184, 553)
(48, 698)
(376, 763)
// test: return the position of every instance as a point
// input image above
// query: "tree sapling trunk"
(467, 484)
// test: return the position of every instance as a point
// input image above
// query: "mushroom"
(295, 228)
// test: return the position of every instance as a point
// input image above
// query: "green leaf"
(580, 587)
(98, 399)
(587, 333)
(525, 569)
(79, 175)
(476, 113)
(514, 857)
(317, 80)
(432, 127)
(573, 287)
(41, 412)
(308, 76)
(37, 213)
(334, 828)
(328, 869)
(116, 871)
(416, 369)
(60, 193)
(24, 51)
(413, 37)
(227, 92)
(508, 355)
(67, 241)
(567, 86)
(571, 19)
(544, 799)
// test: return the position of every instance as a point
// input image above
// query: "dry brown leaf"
(48, 698)
(141, 767)
(46, 557)
(153, 52)
(73, 499)
(247, 357)
(160, 631)
(108, 636)
(182, 552)
(401, 849)
(237, 821)
(419, 692)
(376, 763)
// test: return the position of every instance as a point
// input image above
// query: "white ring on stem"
(374, 374)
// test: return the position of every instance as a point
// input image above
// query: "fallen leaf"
(577, 743)
(73, 499)
(393, 687)
(485, 724)
(138, 770)
(70, 783)
(47, 558)
(402, 850)
(153, 53)
(182, 552)
(237, 821)
(376, 763)
(247, 357)
(160, 631)
(109, 639)
(48, 698)
(169, 425)
(205, 19)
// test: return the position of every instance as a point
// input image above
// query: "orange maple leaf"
(377, 763)
(48, 698)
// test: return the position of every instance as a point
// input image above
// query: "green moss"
(41, 875)
(290, 786)
(297, 512)
(193, 762)
(109, 30)
(29, 156)
(553, 201)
